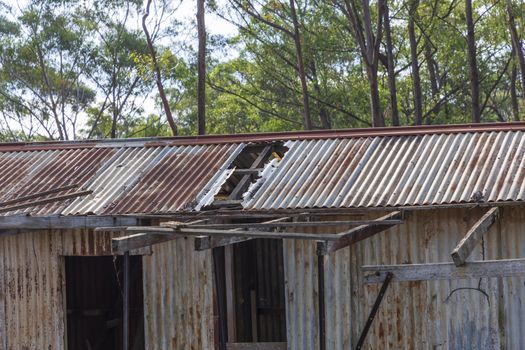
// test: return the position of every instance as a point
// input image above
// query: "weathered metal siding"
(397, 171)
(456, 314)
(178, 292)
(33, 286)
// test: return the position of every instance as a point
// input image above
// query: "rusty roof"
(125, 179)
(395, 171)
(361, 168)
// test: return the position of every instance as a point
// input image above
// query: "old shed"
(385, 238)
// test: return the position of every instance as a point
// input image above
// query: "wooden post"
(322, 316)
(125, 306)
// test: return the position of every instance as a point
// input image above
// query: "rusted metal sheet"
(178, 292)
(131, 179)
(34, 304)
(432, 169)
(481, 313)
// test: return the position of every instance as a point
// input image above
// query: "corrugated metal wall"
(178, 292)
(177, 286)
(459, 314)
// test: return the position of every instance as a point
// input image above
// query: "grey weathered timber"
(209, 242)
(247, 171)
(121, 245)
(259, 234)
(24, 222)
(473, 236)
(299, 224)
(445, 271)
(256, 346)
(245, 181)
(64, 197)
(357, 234)
(38, 194)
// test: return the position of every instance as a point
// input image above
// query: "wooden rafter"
(209, 242)
(245, 180)
(344, 239)
(124, 244)
(445, 271)
(473, 236)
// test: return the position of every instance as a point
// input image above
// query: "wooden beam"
(25, 222)
(256, 346)
(254, 171)
(473, 236)
(344, 239)
(259, 234)
(124, 244)
(445, 271)
(209, 242)
(245, 181)
(45, 201)
(38, 194)
(275, 223)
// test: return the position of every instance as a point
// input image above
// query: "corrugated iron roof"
(382, 167)
(432, 169)
(124, 179)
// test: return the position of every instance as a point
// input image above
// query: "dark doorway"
(254, 292)
(94, 303)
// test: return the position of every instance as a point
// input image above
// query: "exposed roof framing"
(473, 236)
(209, 236)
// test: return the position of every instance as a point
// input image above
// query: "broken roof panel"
(390, 171)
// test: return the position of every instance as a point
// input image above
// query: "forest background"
(74, 69)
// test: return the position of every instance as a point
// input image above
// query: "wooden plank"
(445, 271)
(256, 346)
(38, 194)
(245, 181)
(24, 222)
(124, 244)
(45, 201)
(230, 293)
(299, 224)
(473, 236)
(344, 239)
(254, 171)
(209, 242)
(258, 234)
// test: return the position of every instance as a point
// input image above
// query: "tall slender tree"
(369, 42)
(473, 64)
(391, 67)
(416, 79)
(201, 88)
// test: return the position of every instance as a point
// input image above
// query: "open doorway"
(252, 278)
(94, 297)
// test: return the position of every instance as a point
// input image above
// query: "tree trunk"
(416, 80)
(300, 67)
(514, 94)
(158, 76)
(201, 87)
(323, 113)
(473, 66)
(377, 117)
(516, 45)
(390, 69)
